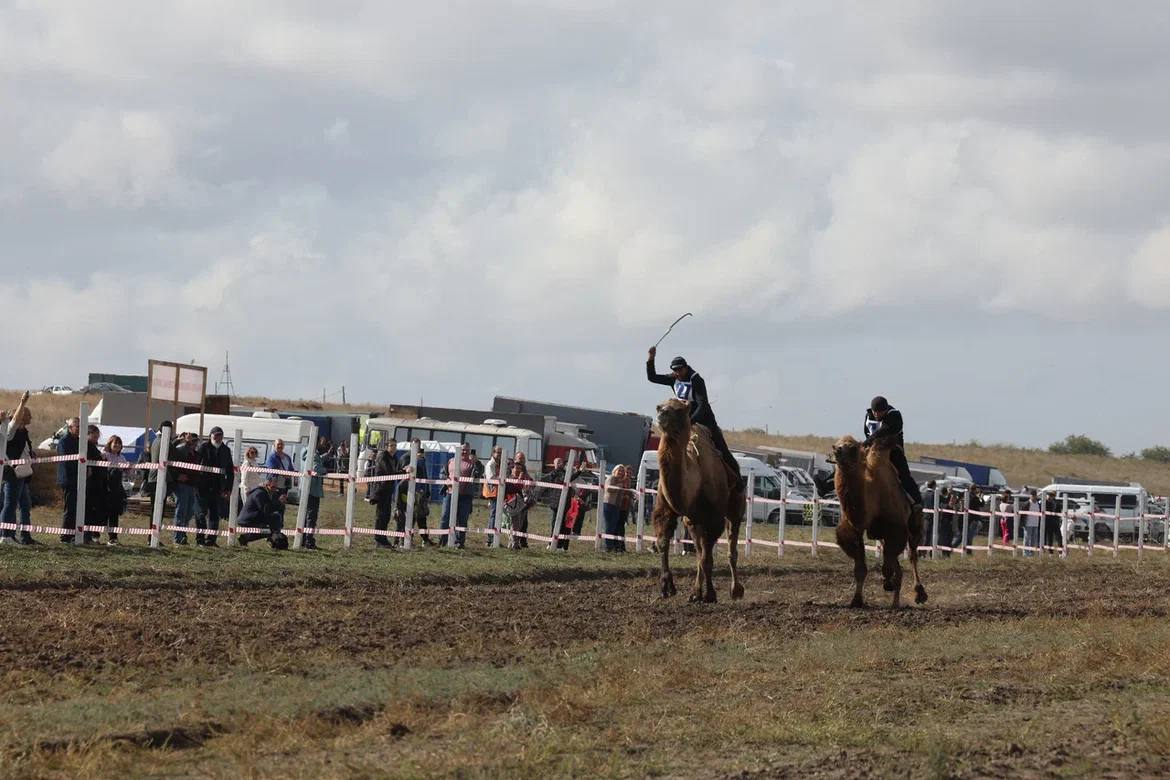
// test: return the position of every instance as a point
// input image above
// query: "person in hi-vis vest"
(884, 422)
(689, 386)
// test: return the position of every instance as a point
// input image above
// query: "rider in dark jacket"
(883, 423)
(689, 386)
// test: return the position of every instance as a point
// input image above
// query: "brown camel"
(872, 500)
(695, 483)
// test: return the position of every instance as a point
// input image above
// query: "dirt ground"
(1005, 672)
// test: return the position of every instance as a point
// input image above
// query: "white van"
(768, 485)
(258, 432)
(1086, 500)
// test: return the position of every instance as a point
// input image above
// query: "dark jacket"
(385, 465)
(16, 449)
(258, 509)
(889, 429)
(183, 453)
(693, 390)
(216, 457)
(67, 471)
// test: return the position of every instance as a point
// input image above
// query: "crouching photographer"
(263, 509)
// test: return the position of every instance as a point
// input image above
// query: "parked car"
(56, 390)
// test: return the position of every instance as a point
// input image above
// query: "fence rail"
(969, 521)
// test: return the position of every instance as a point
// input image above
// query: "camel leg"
(892, 571)
(700, 559)
(733, 557)
(916, 533)
(709, 568)
(854, 546)
(665, 524)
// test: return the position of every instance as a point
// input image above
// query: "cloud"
(554, 181)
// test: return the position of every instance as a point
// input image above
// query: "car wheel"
(1102, 533)
(774, 517)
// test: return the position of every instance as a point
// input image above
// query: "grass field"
(494, 663)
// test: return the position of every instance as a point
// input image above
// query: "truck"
(621, 437)
(982, 475)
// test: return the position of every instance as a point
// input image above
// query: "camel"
(695, 483)
(872, 500)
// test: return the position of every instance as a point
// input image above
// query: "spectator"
(518, 499)
(1052, 512)
(1004, 517)
(214, 489)
(342, 465)
(381, 494)
(15, 487)
(459, 468)
(958, 502)
(929, 516)
(316, 493)
(1032, 525)
(365, 461)
(150, 483)
(113, 502)
(611, 508)
(95, 485)
(67, 477)
(556, 475)
(627, 505)
(184, 482)
(262, 510)
(491, 490)
(946, 522)
(975, 503)
(280, 460)
(250, 480)
(422, 500)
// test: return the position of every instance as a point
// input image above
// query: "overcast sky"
(962, 205)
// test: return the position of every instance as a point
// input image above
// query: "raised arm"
(652, 375)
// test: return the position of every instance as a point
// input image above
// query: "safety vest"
(682, 390)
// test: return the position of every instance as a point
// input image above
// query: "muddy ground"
(96, 638)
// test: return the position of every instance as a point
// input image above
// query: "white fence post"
(1043, 499)
(934, 527)
(351, 488)
(600, 502)
(305, 486)
(82, 476)
(237, 478)
(564, 499)
(1065, 522)
(963, 546)
(1092, 524)
(1116, 525)
(456, 464)
(1141, 529)
(1015, 526)
(411, 496)
(816, 524)
(640, 521)
(751, 512)
(160, 487)
(783, 514)
(992, 523)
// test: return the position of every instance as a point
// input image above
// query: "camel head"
(847, 452)
(674, 417)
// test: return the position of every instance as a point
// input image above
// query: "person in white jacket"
(250, 480)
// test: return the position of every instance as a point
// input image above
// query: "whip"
(668, 330)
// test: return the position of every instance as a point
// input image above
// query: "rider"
(689, 386)
(884, 422)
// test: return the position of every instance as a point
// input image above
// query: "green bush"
(1078, 444)
(1156, 454)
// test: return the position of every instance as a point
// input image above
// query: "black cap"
(678, 362)
(879, 404)
(216, 430)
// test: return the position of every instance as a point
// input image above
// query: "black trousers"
(69, 514)
(898, 458)
(721, 444)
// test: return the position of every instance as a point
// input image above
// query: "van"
(1086, 500)
(258, 432)
(768, 484)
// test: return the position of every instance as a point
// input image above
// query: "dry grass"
(1021, 466)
